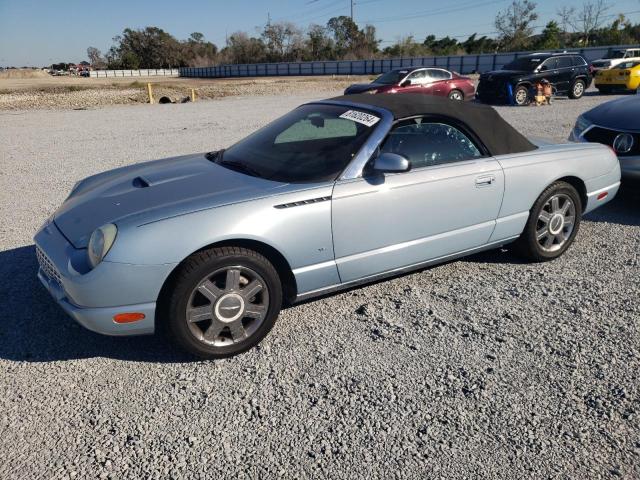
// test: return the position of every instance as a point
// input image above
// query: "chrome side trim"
(397, 271)
(302, 202)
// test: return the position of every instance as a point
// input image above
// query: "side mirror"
(543, 68)
(391, 163)
(406, 83)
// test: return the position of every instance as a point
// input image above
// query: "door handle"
(485, 180)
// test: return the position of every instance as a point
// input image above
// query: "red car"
(428, 80)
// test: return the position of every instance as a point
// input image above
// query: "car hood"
(152, 191)
(363, 87)
(619, 114)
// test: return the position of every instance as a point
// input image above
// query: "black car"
(568, 73)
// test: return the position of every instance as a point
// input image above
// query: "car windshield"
(523, 64)
(312, 143)
(624, 65)
(391, 78)
(615, 54)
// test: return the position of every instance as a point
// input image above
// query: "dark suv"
(568, 73)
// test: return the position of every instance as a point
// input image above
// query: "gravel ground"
(82, 93)
(481, 368)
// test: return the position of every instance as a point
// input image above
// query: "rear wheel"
(577, 89)
(223, 302)
(456, 95)
(521, 95)
(553, 223)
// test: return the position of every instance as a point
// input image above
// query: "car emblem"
(623, 143)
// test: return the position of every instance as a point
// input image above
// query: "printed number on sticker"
(360, 117)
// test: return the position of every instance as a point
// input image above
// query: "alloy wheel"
(521, 96)
(228, 306)
(556, 222)
(578, 89)
(455, 95)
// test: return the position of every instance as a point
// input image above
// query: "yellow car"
(625, 76)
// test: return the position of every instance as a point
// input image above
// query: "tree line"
(342, 39)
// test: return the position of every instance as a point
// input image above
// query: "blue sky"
(39, 32)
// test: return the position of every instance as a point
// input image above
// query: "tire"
(533, 243)
(222, 302)
(577, 89)
(521, 96)
(456, 95)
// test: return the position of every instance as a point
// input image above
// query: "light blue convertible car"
(209, 247)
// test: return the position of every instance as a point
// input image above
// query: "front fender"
(301, 233)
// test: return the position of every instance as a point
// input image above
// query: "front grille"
(606, 136)
(47, 267)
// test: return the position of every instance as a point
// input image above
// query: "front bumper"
(94, 297)
(629, 164)
(630, 167)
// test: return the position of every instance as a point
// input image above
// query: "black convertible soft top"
(497, 135)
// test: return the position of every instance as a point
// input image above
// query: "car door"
(439, 80)
(565, 73)
(447, 203)
(547, 69)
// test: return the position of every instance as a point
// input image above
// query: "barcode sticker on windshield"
(360, 117)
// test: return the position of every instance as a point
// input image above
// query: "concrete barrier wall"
(460, 63)
(162, 72)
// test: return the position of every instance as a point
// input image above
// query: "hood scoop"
(140, 182)
(153, 179)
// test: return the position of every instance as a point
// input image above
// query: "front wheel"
(577, 89)
(223, 302)
(553, 223)
(456, 95)
(521, 96)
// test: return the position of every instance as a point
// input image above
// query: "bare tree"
(565, 17)
(590, 18)
(95, 57)
(515, 24)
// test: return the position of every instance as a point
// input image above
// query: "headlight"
(581, 125)
(100, 242)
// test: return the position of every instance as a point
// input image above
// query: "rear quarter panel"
(528, 174)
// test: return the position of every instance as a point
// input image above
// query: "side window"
(317, 127)
(426, 144)
(564, 62)
(437, 74)
(579, 61)
(418, 77)
(549, 64)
